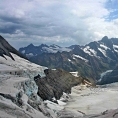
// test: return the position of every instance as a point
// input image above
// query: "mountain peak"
(43, 45)
(105, 38)
(31, 45)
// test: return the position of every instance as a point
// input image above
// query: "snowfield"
(93, 100)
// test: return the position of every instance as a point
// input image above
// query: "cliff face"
(55, 83)
(7, 49)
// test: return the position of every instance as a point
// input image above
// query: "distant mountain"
(106, 49)
(89, 60)
(32, 50)
(6, 48)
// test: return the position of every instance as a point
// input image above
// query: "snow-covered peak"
(32, 50)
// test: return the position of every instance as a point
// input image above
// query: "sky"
(61, 22)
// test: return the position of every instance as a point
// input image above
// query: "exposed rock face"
(6, 48)
(55, 83)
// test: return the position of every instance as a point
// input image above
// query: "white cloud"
(53, 21)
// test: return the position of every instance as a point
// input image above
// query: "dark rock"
(37, 77)
(6, 48)
(55, 83)
(8, 96)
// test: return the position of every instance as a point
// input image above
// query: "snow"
(74, 74)
(55, 49)
(23, 51)
(105, 47)
(7, 68)
(16, 76)
(53, 105)
(69, 60)
(104, 73)
(10, 86)
(30, 54)
(80, 57)
(22, 64)
(61, 103)
(86, 50)
(93, 100)
(93, 52)
(7, 85)
(115, 47)
(90, 51)
(49, 50)
(103, 51)
(82, 99)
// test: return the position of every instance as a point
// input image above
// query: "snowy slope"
(105, 48)
(93, 100)
(32, 50)
(16, 79)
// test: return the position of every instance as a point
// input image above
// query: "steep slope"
(106, 49)
(6, 48)
(18, 91)
(17, 88)
(55, 83)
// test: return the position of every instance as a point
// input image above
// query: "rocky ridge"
(56, 82)
(6, 48)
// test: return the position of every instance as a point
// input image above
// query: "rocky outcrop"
(6, 48)
(55, 83)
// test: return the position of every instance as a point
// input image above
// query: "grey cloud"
(51, 21)
(9, 28)
(10, 19)
(46, 21)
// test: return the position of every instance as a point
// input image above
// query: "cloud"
(62, 22)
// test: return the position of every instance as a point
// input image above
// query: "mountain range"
(89, 60)
(21, 96)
